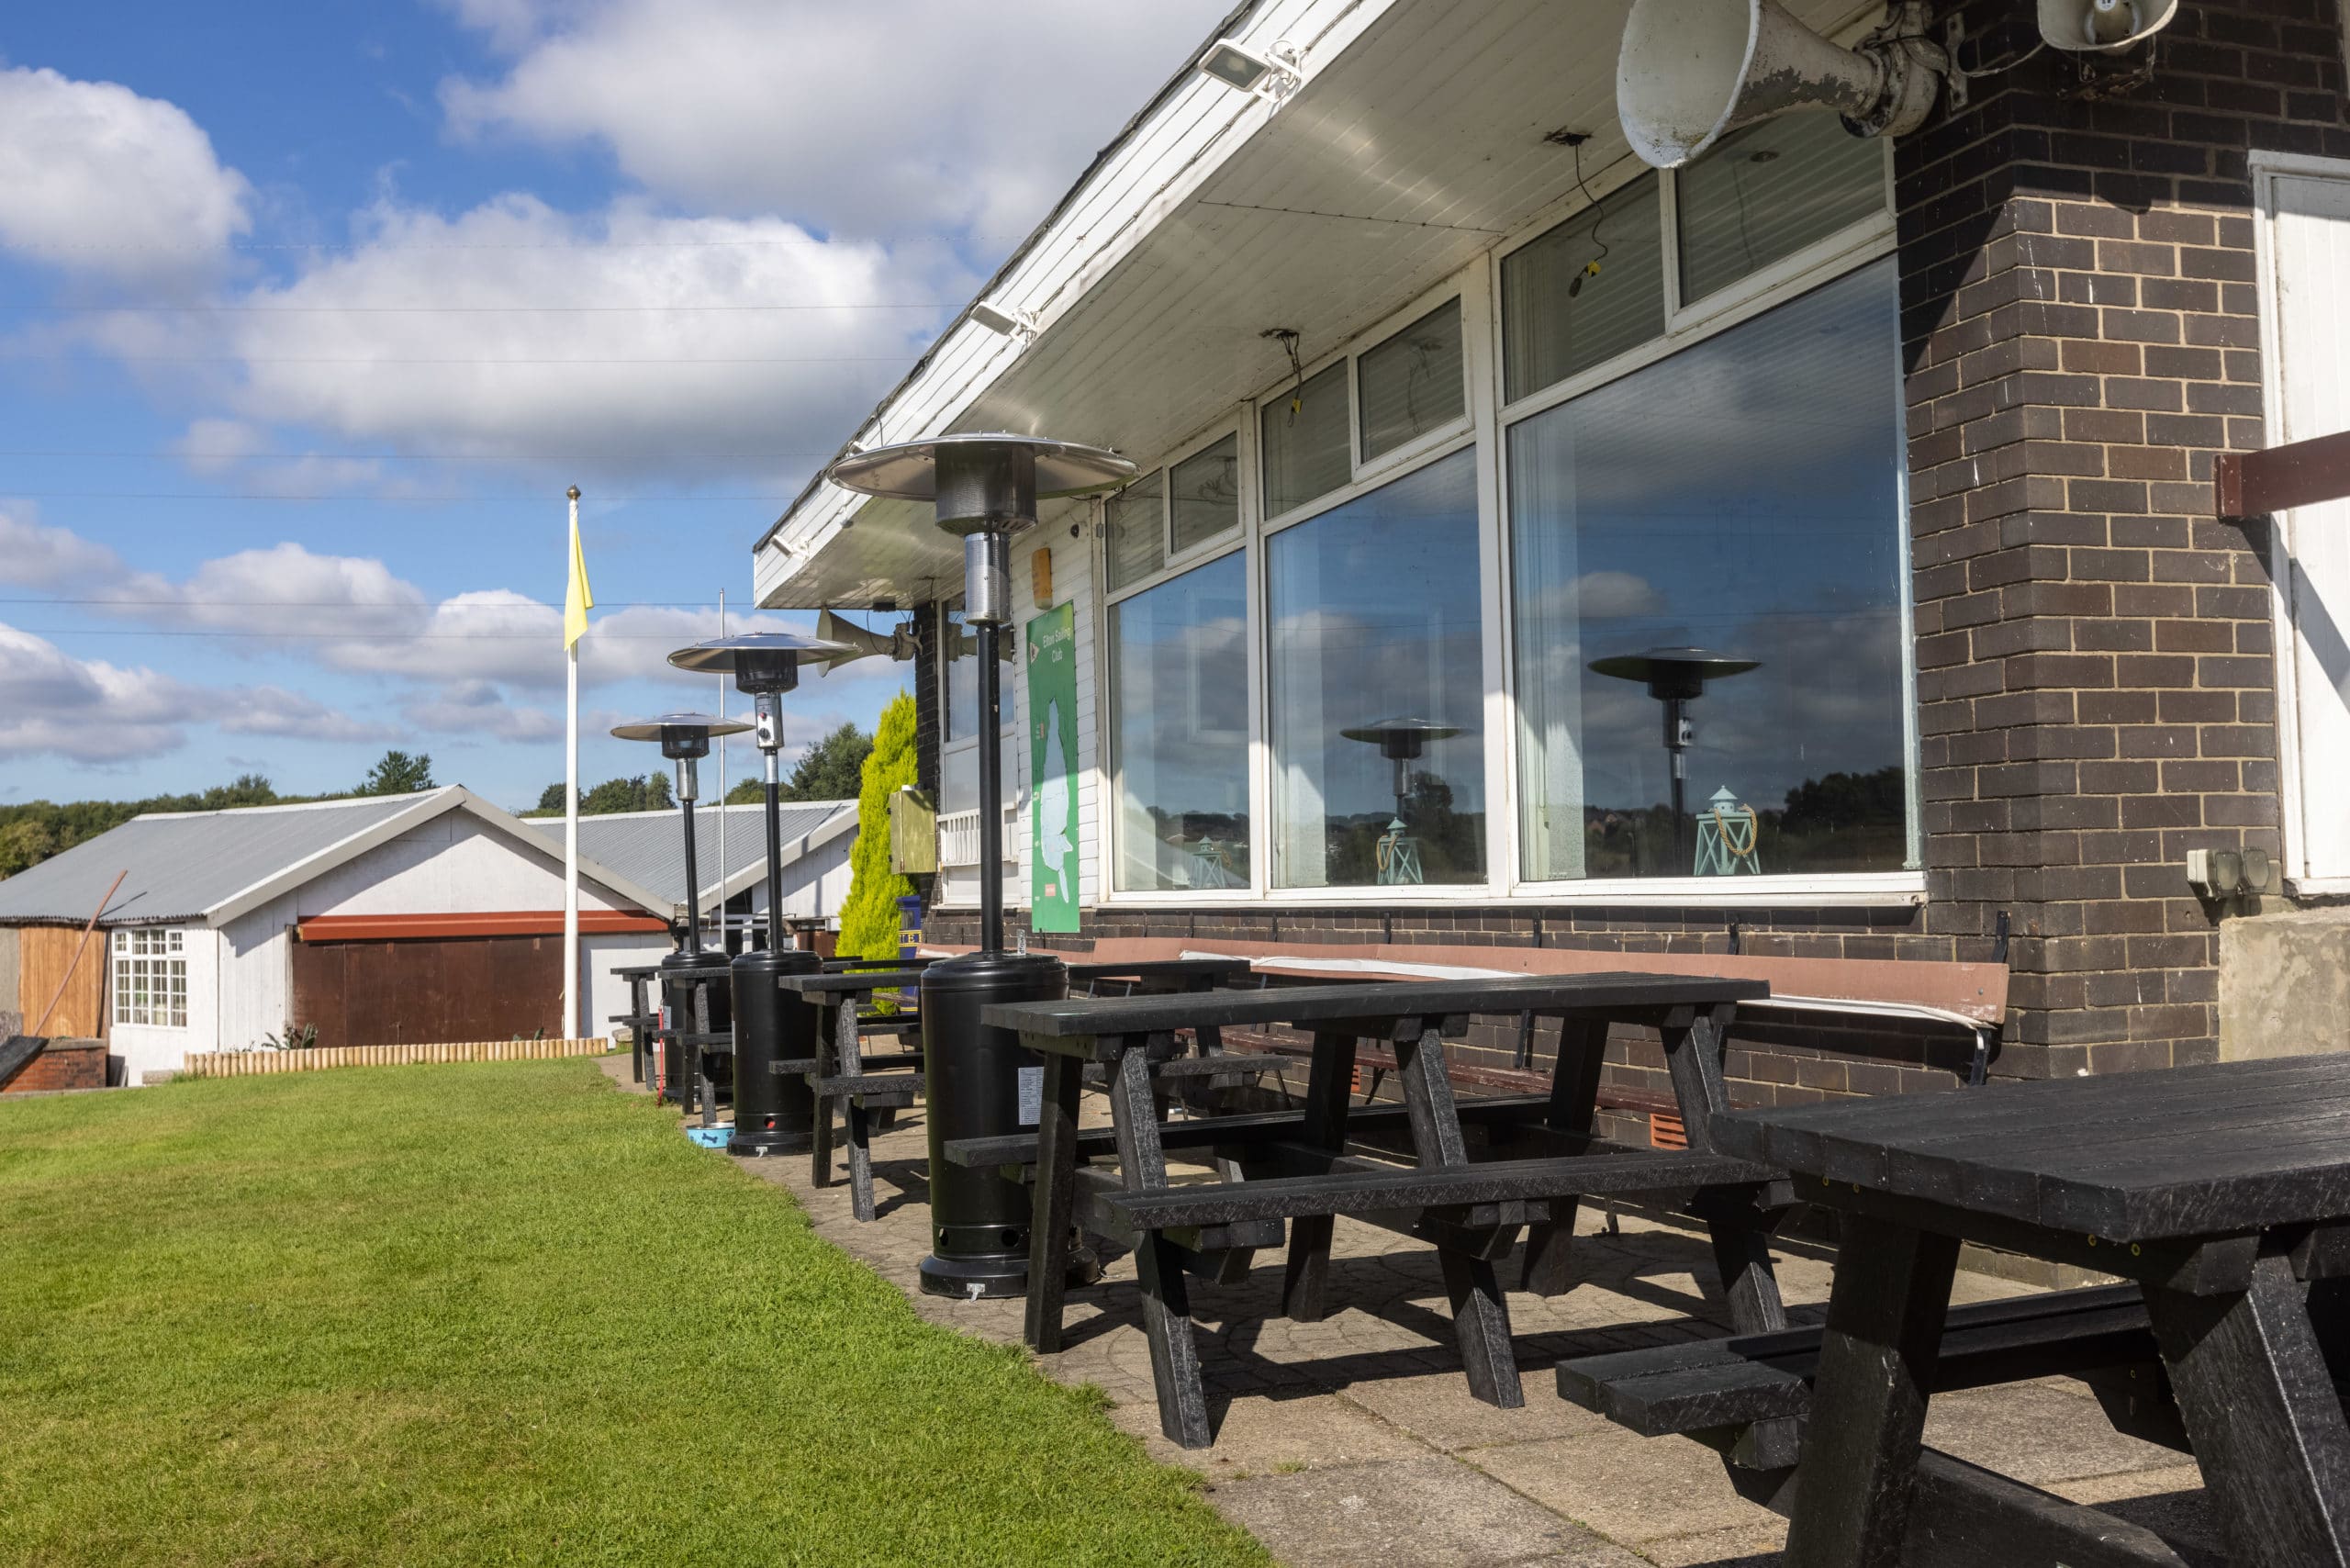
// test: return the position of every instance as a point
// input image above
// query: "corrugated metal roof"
(182, 864)
(648, 847)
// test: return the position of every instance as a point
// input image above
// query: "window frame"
(1484, 425)
(157, 966)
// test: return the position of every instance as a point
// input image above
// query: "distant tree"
(869, 914)
(25, 843)
(550, 802)
(398, 773)
(645, 792)
(832, 769)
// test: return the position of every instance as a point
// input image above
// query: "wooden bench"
(1718, 1390)
(863, 1091)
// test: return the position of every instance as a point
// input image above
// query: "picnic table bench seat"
(866, 1091)
(1297, 1168)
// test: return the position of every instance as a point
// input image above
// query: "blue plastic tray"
(711, 1137)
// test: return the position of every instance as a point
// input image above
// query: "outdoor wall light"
(1271, 76)
(773, 1115)
(1674, 677)
(975, 1077)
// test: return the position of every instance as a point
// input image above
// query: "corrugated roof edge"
(1035, 236)
(753, 872)
(337, 802)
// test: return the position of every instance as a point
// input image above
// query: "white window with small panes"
(150, 977)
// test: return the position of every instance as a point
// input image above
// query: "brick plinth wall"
(61, 1064)
(2081, 323)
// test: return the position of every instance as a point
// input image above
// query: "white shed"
(381, 918)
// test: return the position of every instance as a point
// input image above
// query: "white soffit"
(1416, 143)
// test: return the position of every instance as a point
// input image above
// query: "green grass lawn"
(502, 1313)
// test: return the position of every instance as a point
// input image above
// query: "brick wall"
(2080, 317)
(61, 1064)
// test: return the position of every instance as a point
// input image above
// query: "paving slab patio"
(1353, 1442)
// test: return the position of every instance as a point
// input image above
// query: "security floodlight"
(1003, 321)
(1674, 677)
(772, 1114)
(983, 486)
(1271, 76)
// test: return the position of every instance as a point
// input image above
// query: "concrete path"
(1353, 1442)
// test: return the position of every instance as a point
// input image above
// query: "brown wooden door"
(428, 989)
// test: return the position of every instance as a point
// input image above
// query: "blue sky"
(308, 314)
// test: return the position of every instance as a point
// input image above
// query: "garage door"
(458, 988)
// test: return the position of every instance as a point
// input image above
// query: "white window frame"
(1484, 426)
(157, 954)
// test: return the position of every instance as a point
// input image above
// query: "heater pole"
(990, 791)
(693, 882)
(772, 723)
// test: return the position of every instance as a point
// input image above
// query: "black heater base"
(981, 1082)
(772, 1114)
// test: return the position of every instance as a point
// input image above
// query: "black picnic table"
(1296, 1166)
(641, 1018)
(2223, 1192)
(840, 1075)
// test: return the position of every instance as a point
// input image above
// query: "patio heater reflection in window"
(1400, 741)
(1675, 677)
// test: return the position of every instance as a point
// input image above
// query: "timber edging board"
(245, 1064)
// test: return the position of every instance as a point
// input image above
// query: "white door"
(2304, 206)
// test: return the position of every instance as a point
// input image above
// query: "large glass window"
(150, 977)
(1585, 292)
(1742, 498)
(1375, 629)
(962, 659)
(1305, 441)
(1768, 191)
(1136, 520)
(1179, 739)
(1204, 495)
(1412, 383)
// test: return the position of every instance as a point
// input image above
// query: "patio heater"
(690, 995)
(1675, 677)
(1400, 741)
(772, 1114)
(985, 487)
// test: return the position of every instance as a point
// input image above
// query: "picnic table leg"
(1480, 1312)
(1159, 1263)
(1868, 1406)
(704, 1085)
(1328, 1085)
(860, 1160)
(1055, 1204)
(1575, 1103)
(819, 1150)
(2258, 1402)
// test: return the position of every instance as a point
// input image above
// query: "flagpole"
(570, 814)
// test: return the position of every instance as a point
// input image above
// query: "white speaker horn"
(898, 643)
(2102, 26)
(1693, 71)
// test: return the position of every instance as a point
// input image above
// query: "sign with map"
(1052, 763)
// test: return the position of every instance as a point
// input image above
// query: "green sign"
(1052, 763)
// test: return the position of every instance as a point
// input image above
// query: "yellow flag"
(578, 598)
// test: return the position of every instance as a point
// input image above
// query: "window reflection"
(1179, 674)
(1744, 498)
(1374, 618)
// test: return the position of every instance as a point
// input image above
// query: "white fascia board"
(1162, 162)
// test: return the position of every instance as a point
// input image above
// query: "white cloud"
(88, 711)
(97, 180)
(641, 342)
(35, 555)
(478, 707)
(910, 116)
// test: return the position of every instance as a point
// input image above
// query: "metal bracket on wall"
(1999, 939)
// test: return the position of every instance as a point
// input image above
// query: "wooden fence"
(244, 1064)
